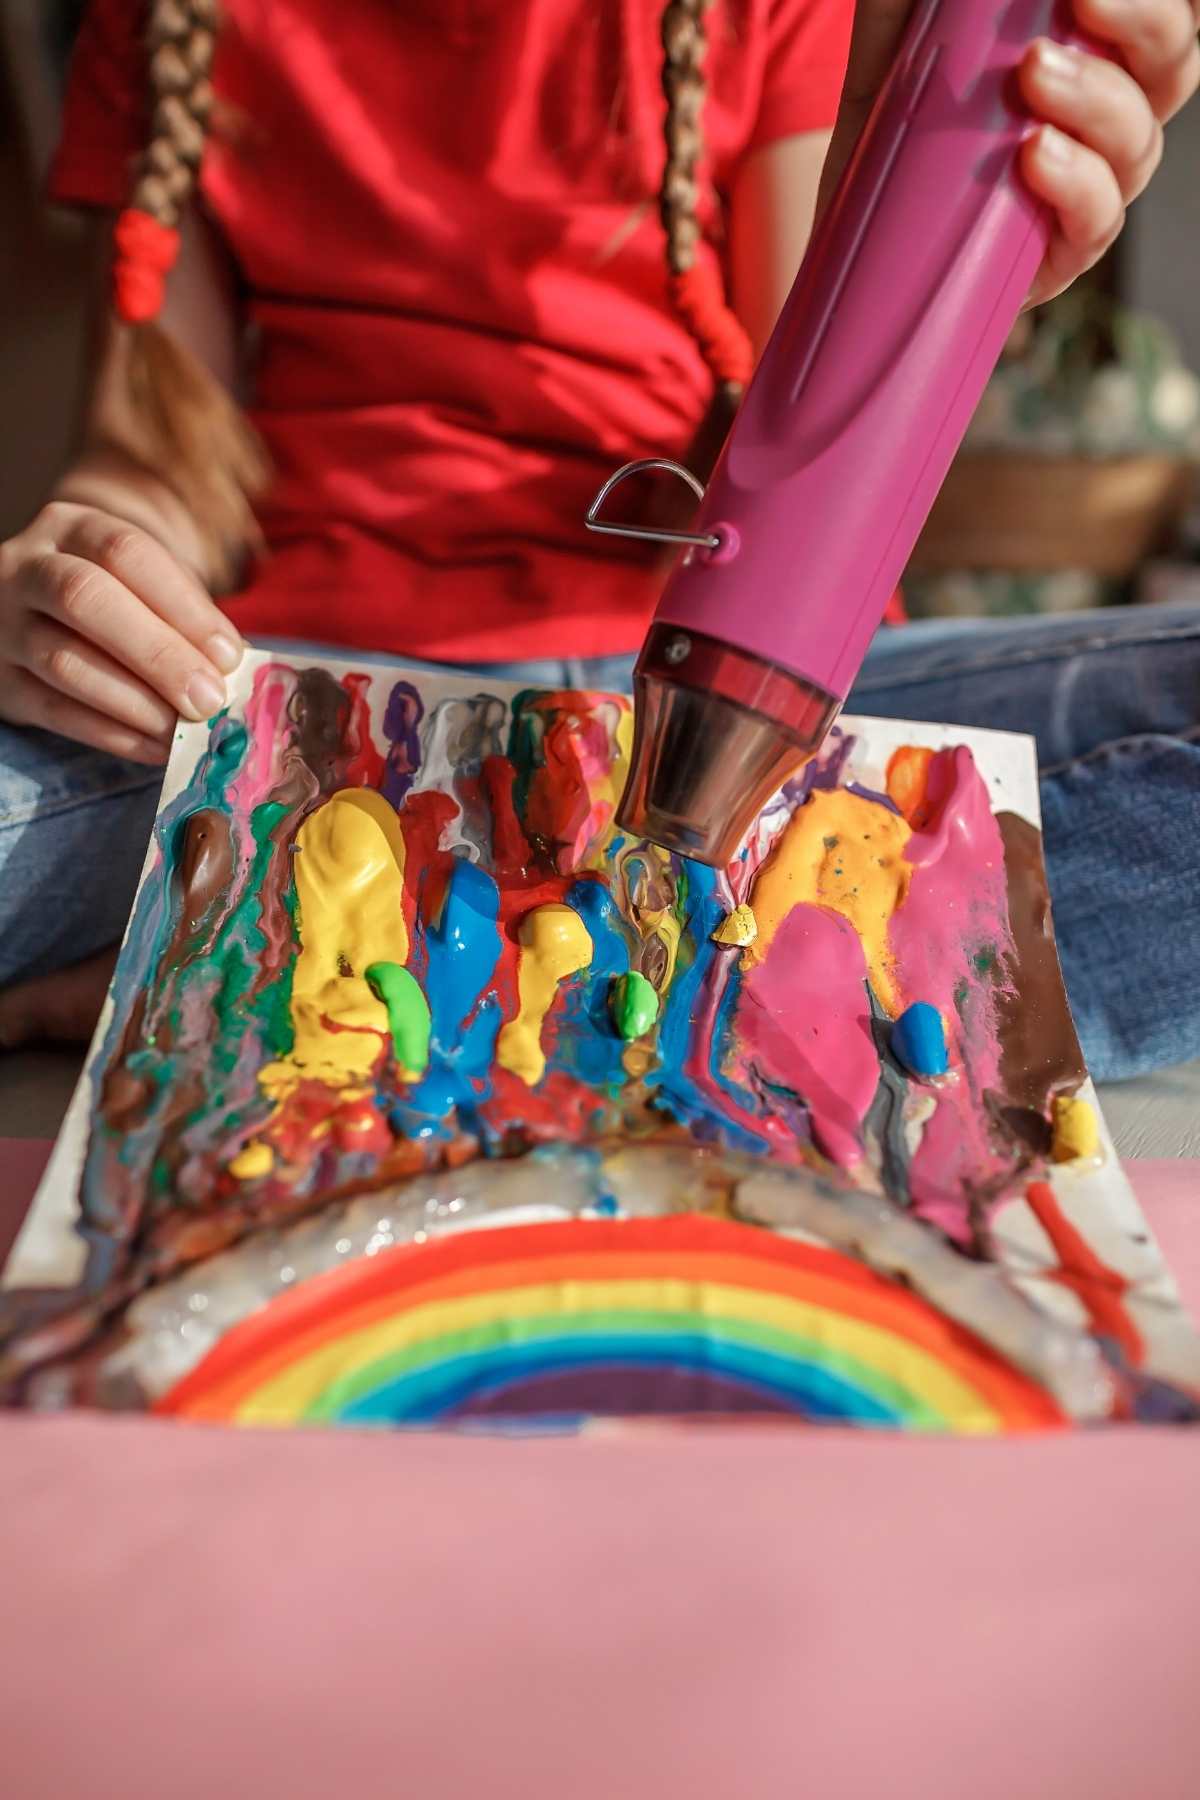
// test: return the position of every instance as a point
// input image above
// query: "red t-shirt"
(444, 216)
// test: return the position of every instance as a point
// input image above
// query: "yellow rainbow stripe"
(497, 1320)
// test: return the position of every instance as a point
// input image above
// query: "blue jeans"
(1113, 699)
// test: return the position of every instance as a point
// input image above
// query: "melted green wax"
(237, 955)
(407, 1011)
(235, 960)
(635, 1005)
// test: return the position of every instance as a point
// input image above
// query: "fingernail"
(204, 697)
(225, 651)
(1055, 146)
(145, 750)
(1059, 64)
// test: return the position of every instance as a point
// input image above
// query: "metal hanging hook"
(705, 540)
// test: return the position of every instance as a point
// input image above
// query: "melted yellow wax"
(738, 928)
(1076, 1133)
(252, 1162)
(554, 944)
(847, 854)
(349, 869)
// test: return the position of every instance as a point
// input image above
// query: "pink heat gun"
(895, 323)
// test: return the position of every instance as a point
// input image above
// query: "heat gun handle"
(882, 352)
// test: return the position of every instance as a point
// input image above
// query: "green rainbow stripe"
(421, 1334)
(424, 1382)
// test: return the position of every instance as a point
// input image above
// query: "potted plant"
(1078, 466)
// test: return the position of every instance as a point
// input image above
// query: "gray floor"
(1157, 1116)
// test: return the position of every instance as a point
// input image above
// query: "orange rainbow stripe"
(565, 1320)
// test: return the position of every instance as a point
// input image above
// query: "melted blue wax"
(587, 1043)
(680, 1094)
(462, 949)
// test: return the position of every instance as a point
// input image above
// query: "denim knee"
(74, 825)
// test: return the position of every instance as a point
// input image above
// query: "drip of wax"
(554, 944)
(635, 1005)
(845, 853)
(408, 1015)
(349, 870)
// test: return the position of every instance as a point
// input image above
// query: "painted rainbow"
(562, 1322)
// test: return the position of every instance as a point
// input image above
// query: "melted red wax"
(314, 1111)
(559, 1107)
(561, 810)
(424, 817)
(1101, 1289)
(364, 764)
(511, 854)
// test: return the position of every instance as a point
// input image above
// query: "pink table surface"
(187, 1611)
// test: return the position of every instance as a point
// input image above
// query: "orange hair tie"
(697, 297)
(146, 253)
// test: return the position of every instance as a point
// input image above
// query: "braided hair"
(187, 428)
(182, 423)
(693, 281)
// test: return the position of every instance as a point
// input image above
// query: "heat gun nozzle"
(716, 733)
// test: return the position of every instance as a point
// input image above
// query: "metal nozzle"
(716, 733)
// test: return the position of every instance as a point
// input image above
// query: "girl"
(464, 259)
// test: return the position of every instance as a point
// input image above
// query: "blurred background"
(1077, 485)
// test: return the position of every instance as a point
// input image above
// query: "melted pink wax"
(273, 688)
(264, 768)
(700, 1061)
(956, 911)
(805, 1023)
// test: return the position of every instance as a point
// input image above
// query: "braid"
(183, 424)
(685, 43)
(181, 39)
(693, 282)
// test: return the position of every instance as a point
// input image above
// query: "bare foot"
(61, 1008)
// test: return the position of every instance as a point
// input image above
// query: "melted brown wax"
(1039, 1049)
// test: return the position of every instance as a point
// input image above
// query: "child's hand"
(1101, 137)
(104, 637)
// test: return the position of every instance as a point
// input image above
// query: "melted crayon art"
(722, 1315)
(393, 954)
